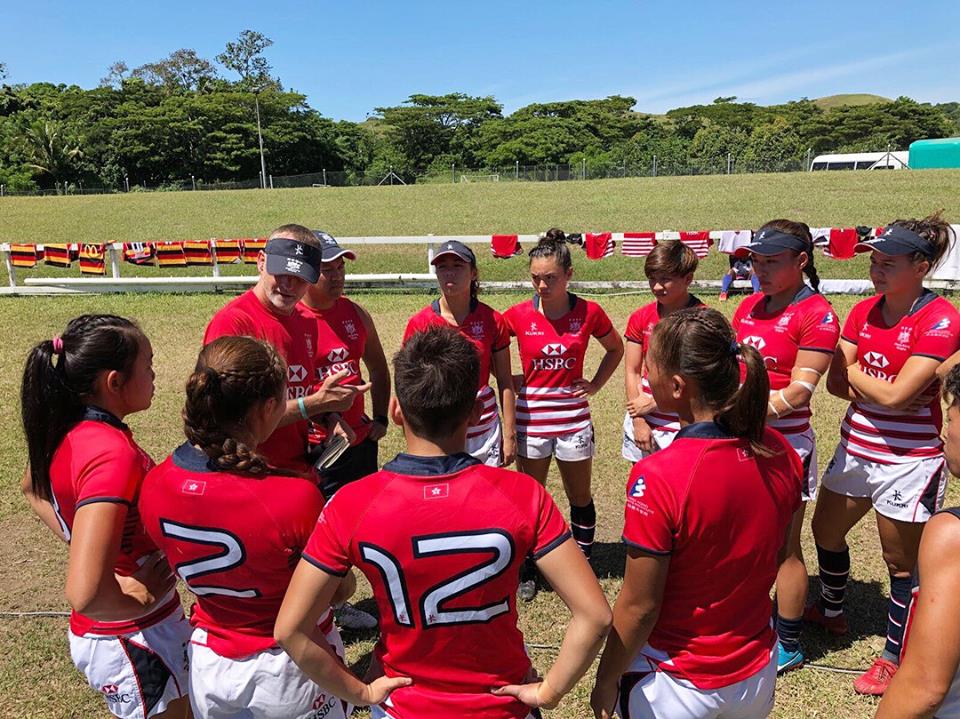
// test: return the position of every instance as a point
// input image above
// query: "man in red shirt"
(287, 265)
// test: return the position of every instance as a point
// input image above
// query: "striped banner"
(91, 259)
(24, 255)
(251, 249)
(197, 252)
(638, 244)
(170, 254)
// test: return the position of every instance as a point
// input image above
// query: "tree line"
(186, 116)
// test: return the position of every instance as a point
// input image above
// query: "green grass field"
(36, 675)
(37, 678)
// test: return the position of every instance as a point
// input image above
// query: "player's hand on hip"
(338, 426)
(379, 689)
(603, 700)
(640, 405)
(583, 388)
(152, 581)
(377, 431)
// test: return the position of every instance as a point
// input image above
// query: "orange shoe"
(876, 679)
(837, 626)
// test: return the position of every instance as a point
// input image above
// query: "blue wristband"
(303, 408)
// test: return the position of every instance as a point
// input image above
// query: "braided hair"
(233, 375)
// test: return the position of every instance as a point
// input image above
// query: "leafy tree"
(182, 71)
(427, 127)
(713, 145)
(245, 57)
(116, 74)
(51, 149)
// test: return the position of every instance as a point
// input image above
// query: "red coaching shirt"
(441, 540)
(639, 329)
(293, 336)
(341, 342)
(721, 514)
(234, 539)
(485, 328)
(807, 323)
(930, 329)
(552, 352)
(98, 461)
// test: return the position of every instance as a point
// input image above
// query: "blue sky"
(350, 57)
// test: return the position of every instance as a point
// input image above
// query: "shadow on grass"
(866, 610)
(609, 560)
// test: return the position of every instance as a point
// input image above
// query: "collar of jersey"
(692, 301)
(925, 298)
(192, 459)
(98, 414)
(435, 306)
(405, 463)
(571, 298)
(703, 430)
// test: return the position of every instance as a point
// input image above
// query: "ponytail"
(700, 344)
(233, 374)
(59, 378)
(745, 413)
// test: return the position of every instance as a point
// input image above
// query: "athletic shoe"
(788, 661)
(527, 590)
(723, 296)
(876, 679)
(837, 626)
(349, 617)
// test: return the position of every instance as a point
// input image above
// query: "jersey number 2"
(231, 555)
(432, 612)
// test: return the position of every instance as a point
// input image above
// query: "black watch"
(381, 419)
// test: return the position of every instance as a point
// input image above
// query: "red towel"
(638, 244)
(251, 249)
(57, 255)
(24, 255)
(598, 245)
(228, 251)
(842, 242)
(699, 242)
(170, 254)
(91, 259)
(197, 252)
(138, 253)
(504, 246)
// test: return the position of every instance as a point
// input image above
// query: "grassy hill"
(849, 100)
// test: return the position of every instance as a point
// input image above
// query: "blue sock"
(900, 588)
(726, 282)
(755, 282)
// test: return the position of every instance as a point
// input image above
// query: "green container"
(927, 154)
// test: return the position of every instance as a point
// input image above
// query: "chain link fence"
(586, 169)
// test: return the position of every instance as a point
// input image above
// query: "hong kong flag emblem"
(436, 491)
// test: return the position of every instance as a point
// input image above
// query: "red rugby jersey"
(234, 539)
(294, 338)
(807, 323)
(441, 540)
(551, 353)
(931, 329)
(721, 514)
(639, 328)
(98, 461)
(485, 328)
(341, 342)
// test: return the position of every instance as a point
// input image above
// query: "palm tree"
(51, 149)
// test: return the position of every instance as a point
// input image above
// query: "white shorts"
(573, 447)
(631, 452)
(654, 694)
(487, 447)
(806, 445)
(265, 685)
(140, 673)
(907, 491)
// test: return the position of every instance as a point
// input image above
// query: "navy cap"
(453, 247)
(331, 249)
(896, 240)
(772, 242)
(290, 257)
